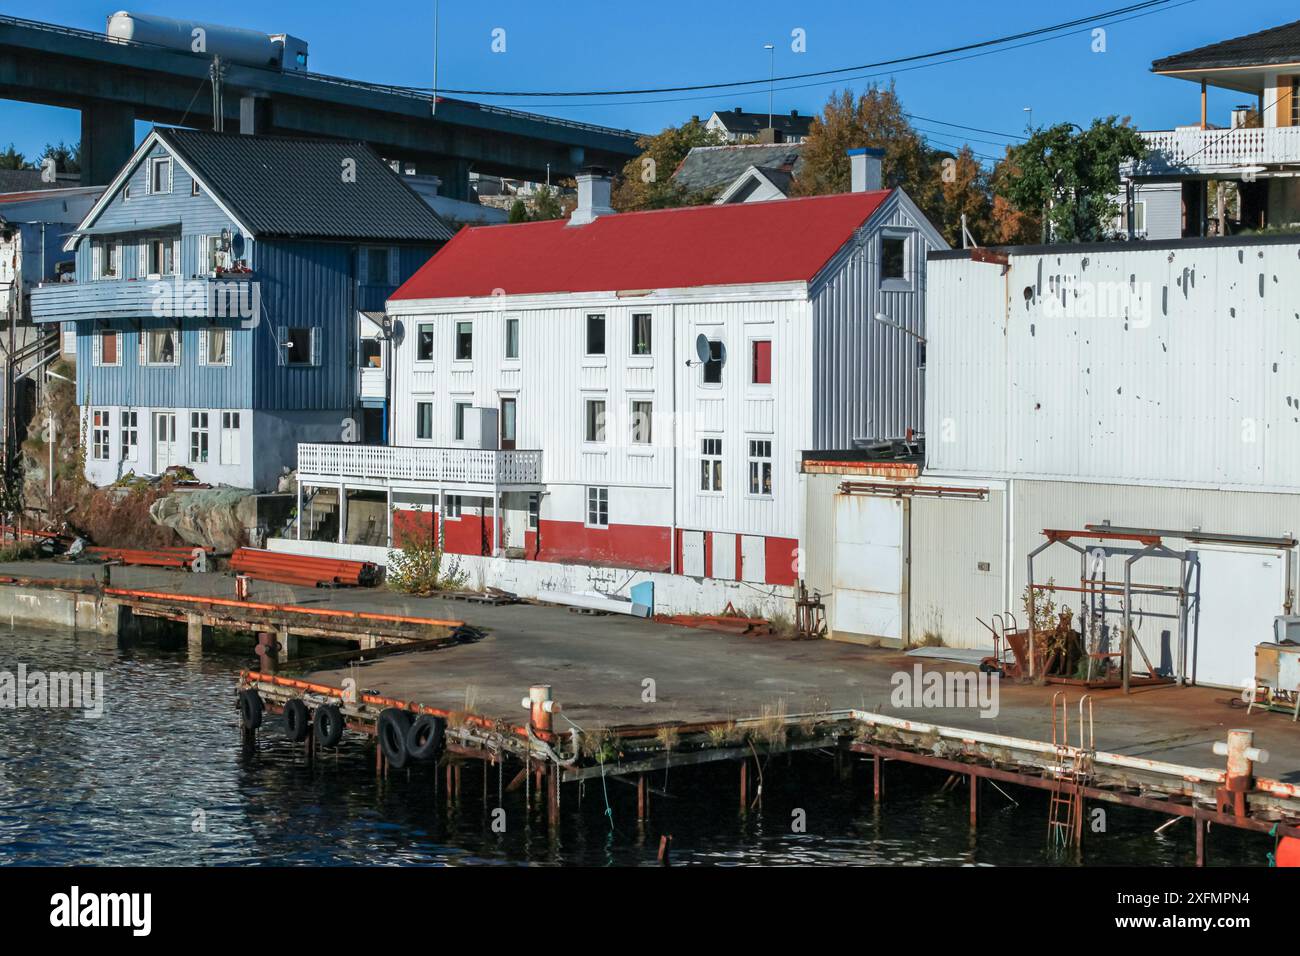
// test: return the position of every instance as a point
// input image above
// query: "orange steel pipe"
(257, 606)
(381, 701)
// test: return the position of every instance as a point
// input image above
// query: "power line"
(981, 44)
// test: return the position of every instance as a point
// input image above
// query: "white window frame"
(423, 406)
(205, 343)
(101, 434)
(146, 340)
(534, 510)
(600, 424)
(104, 251)
(199, 430)
(155, 162)
(646, 440)
(130, 431)
(455, 508)
(712, 454)
(229, 451)
(754, 457)
(97, 347)
(433, 342)
(907, 281)
(722, 364)
(597, 507)
(648, 355)
(604, 335)
(458, 406)
(455, 342)
(512, 321)
(163, 245)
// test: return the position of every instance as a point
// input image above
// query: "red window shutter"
(762, 363)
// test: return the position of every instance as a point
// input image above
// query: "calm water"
(162, 780)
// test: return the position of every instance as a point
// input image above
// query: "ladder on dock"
(1071, 770)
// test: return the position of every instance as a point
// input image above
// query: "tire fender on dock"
(392, 729)
(297, 722)
(424, 739)
(251, 709)
(328, 724)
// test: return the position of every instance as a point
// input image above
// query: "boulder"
(218, 518)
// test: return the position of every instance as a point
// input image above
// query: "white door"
(1240, 593)
(693, 553)
(753, 558)
(871, 567)
(164, 441)
(514, 521)
(724, 556)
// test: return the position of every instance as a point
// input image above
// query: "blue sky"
(599, 45)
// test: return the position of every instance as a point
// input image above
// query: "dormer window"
(160, 175)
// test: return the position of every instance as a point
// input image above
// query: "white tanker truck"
(277, 51)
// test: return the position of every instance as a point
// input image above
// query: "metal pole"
(1128, 616)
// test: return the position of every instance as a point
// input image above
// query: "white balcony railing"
(372, 383)
(433, 466)
(1192, 150)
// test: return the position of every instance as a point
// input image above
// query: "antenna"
(433, 102)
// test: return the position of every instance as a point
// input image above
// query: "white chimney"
(864, 165)
(593, 196)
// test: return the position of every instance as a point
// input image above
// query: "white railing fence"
(1194, 149)
(410, 463)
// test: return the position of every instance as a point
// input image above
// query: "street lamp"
(771, 82)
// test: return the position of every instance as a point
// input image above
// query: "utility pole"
(217, 74)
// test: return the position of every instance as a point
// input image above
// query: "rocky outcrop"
(220, 518)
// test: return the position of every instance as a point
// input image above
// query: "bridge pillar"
(107, 142)
(454, 174)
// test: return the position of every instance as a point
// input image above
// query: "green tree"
(10, 158)
(547, 204)
(1072, 176)
(518, 211)
(646, 182)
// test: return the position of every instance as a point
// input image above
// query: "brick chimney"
(864, 167)
(593, 196)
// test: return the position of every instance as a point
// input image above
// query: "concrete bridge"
(114, 84)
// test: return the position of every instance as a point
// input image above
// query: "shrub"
(418, 569)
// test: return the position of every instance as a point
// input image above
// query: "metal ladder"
(1073, 767)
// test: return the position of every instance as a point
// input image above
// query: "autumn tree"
(874, 119)
(1072, 175)
(964, 191)
(1009, 225)
(646, 181)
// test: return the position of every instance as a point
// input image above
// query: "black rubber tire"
(424, 739)
(297, 721)
(251, 709)
(393, 725)
(328, 724)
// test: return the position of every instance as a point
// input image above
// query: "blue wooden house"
(218, 286)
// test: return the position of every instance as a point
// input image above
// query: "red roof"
(785, 240)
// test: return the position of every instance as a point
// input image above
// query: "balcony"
(458, 470)
(1192, 151)
(172, 297)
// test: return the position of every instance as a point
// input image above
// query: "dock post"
(974, 801)
(744, 784)
(288, 644)
(194, 634)
(641, 798)
(877, 781)
(1200, 838)
(553, 797)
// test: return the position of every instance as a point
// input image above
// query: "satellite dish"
(702, 351)
(397, 332)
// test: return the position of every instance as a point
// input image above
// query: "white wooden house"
(636, 390)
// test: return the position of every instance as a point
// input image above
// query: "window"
(1139, 217)
(161, 257)
(534, 511)
(761, 365)
(230, 438)
(372, 353)
(160, 175)
(424, 421)
(710, 464)
(641, 341)
(760, 467)
(162, 347)
(424, 342)
(215, 346)
(377, 266)
(713, 367)
(595, 335)
(642, 416)
(211, 255)
(598, 507)
(458, 419)
(130, 436)
(893, 257)
(198, 437)
(464, 341)
(108, 259)
(512, 338)
(298, 347)
(1295, 102)
(108, 349)
(194, 187)
(101, 425)
(595, 421)
(454, 506)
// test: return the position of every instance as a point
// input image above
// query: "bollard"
(1242, 757)
(540, 707)
(241, 587)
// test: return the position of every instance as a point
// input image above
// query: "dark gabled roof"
(738, 121)
(710, 167)
(1274, 45)
(289, 187)
(29, 180)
